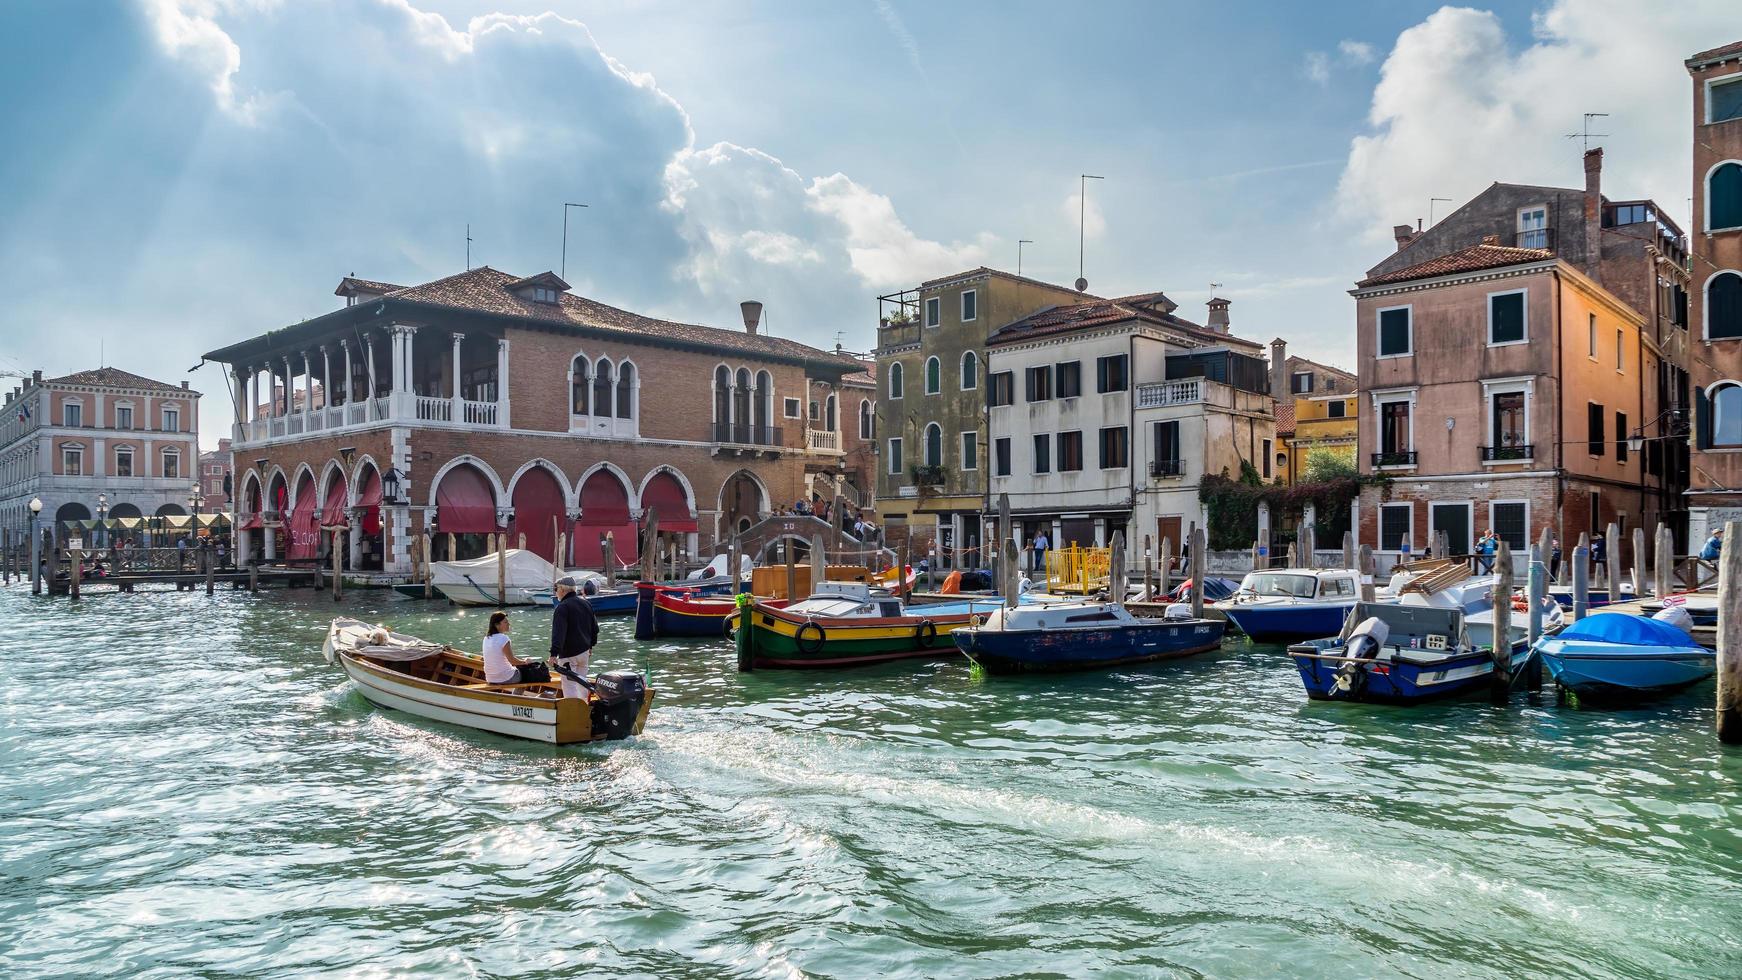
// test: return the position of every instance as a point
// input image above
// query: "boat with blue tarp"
(1620, 655)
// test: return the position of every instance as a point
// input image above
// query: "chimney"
(1404, 235)
(1491, 239)
(752, 315)
(36, 377)
(1594, 212)
(184, 386)
(1218, 315)
(1278, 368)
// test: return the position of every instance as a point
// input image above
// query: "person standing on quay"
(1714, 546)
(1041, 544)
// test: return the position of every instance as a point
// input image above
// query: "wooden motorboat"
(435, 681)
(846, 624)
(1292, 603)
(1398, 654)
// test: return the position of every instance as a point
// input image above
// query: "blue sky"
(190, 172)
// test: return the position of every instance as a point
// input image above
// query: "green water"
(188, 789)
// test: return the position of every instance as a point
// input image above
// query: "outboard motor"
(1677, 616)
(1177, 611)
(1364, 644)
(618, 695)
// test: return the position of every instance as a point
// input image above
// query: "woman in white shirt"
(501, 666)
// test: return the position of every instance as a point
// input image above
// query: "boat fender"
(926, 634)
(810, 637)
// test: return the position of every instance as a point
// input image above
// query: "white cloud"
(1356, 52)
(1089, 215)
(1460, 105)
(1317, 67)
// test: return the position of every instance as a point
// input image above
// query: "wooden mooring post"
(253, 576)
(1200, 544)
(1369, 569)
(501, 569)
(791, 570)
(1500, 644)
(1543, 548)
(1730, 636)
(1664, 558)
(1639, 562)
(1349, 549)
(1165, 581)
(1581, 581)
(428, 579)
(338, 564)
(75, 564)
(211, 559)
(819, 564)
(1612, 561)
(1535, 589)
(1148, 569)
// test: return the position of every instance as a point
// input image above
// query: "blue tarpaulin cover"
(1628, 629)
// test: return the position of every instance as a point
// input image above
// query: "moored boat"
(472, 582)
(1082, 635)
(686, 610)
(1397, 654)
(1292, 603)
(437, 682)
(1621, 656)
(844, 624)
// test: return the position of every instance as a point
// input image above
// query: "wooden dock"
(1706, 636)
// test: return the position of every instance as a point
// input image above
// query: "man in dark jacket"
(574, 631)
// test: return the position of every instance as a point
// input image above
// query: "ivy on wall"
(1232, 504)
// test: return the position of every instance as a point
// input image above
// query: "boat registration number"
(520, 712)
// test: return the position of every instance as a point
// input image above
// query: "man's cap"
(568, 582)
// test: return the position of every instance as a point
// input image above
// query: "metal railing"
(1159, 394)
(1535, 238)
(1405, 458)
(1498, 454)
(744, 434)
(1166, 467)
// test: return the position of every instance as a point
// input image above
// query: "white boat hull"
(534, 722)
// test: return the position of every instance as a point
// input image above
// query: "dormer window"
(543, 294)
(546, 287)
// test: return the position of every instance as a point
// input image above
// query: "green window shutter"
(1724, 196)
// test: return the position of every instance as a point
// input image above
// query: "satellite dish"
(1082, 284)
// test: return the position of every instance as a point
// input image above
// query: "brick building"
(1716, 300)
(215, 486)
(99, 440)
(501, 403)
(1316, 413)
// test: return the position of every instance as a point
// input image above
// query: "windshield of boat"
(1279, 584)
(833, 606)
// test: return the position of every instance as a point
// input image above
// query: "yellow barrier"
(1078, 569)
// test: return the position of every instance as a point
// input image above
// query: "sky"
(179, 175)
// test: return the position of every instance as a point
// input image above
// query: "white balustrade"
(822, 440)
(1165, 393)
(478, 413)
(434, 409)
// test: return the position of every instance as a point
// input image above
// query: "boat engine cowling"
(1177, 611)
(617, 699)
(1364, 643)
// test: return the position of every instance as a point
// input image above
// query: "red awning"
(465, 502)
(667, 498)
(333, 512)
(305, 536)
(604, 507)
(370, 500)
(538, 510)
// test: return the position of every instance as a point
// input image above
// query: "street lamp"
(102, 515)
(390, 485)
(35, 547)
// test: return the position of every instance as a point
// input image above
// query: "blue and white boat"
(1620, 655)
(1563, 594)
(1292, 603)
(1398, 654)
(1082, 635)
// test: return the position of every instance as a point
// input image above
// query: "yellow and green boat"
(846, 624)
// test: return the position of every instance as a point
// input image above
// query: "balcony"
(1385, 460)
(1161, 394)
(1535, 238)
(744, 434)
(1507, 454)
(822, 441)
(1160, 468)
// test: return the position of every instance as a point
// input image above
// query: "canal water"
(188, 789)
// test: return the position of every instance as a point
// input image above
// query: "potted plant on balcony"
(900, 318)
(928, 476)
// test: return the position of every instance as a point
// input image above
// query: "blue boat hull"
(1597, 597)
(648, 622)
(1020, 651)
(1287, 624)
(1618, 671)
(1401, 682)
(667, 623)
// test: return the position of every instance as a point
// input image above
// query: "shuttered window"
(1394, 332)
(1506, 318)
(1596, 441)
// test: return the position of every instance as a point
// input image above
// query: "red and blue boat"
(702, 610)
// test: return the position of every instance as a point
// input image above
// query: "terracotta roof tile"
(1733, 49)
(486, 290)
(1285, 416)
(1471, 259)
(1145, 307)
(351, 284)
(112, 378)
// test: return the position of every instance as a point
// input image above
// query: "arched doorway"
(70, 511)
(742, 504)
(539, 507)
(301, 525)
(666, 496)
(604, 508)
(466, 508)
(368, 529)
(278, 502)
(171, 510)
(335, 514)
(125, 510)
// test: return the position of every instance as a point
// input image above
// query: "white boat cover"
(360, 639)
(523, 570)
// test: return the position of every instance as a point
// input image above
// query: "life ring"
(1520, 605)
(926, 634)
(810, 645)
(727, 622)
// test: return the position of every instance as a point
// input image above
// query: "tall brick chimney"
(1404, 235)
(1279, 368)
(1594, 213)
(1218, 320)
(36, 377)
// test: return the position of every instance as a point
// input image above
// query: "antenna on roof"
(565, 266)
(1082, 224)
(468, 246)
(1430, 208)
(1215, 287)
(1587, 134)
